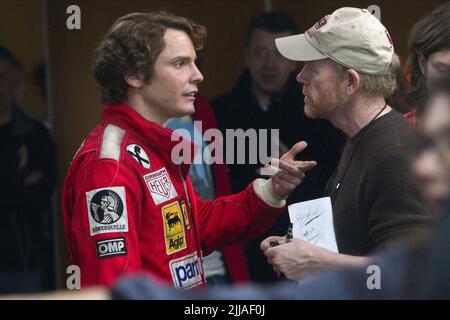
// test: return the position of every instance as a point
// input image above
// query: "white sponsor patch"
(139, 154)
(111, 247)
(107, 210)
(160, 186)
(186, 271)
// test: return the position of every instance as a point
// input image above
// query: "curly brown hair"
(132, 46)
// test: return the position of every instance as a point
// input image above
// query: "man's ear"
(422, 61)
(353, 81)
(133, 80)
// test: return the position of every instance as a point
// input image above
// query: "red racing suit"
(129, 208)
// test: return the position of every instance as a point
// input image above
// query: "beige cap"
(350, 36)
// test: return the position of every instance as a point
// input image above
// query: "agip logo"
(174, 234)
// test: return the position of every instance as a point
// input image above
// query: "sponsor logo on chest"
(138, 153)
(174, 235)
(185, 215)
(160, 186)
(186, 271)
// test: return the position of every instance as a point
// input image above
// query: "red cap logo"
(319, 24)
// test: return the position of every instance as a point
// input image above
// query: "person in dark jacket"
(27, 179)
(267, 96)
(374, 197)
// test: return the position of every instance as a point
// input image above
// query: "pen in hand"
(289, 236)
(273, 243)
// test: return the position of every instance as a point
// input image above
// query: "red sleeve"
(105, 210)
(234, 218)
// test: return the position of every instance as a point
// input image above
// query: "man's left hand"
(290, 173)
(297, 259)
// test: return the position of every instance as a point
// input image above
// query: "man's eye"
(443, 69)
(178, 64)
(260, 53)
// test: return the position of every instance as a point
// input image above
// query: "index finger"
(298, 147)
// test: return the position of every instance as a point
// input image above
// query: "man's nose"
(270, 61)
(197, 75)
(301, 77)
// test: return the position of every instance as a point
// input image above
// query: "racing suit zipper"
(185, 189)
(199, 250)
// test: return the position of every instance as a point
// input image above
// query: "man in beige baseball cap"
(351, 37)
(350, 69)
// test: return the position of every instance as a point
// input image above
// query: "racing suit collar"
(155, 136)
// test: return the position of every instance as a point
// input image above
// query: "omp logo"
(186, 271)
(111, 247)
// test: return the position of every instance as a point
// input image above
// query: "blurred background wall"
(21, 31)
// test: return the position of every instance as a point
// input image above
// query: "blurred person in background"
(27, 180)
(429, 56)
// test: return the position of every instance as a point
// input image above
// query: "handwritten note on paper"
(313, 222)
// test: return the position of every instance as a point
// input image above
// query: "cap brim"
(298, 48)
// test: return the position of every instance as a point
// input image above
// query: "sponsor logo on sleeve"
(186, 271)
(107, 210)
(160, 186)
(111, 247)
(174, 235)
(139, 154)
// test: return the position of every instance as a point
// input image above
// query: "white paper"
(313, 222)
